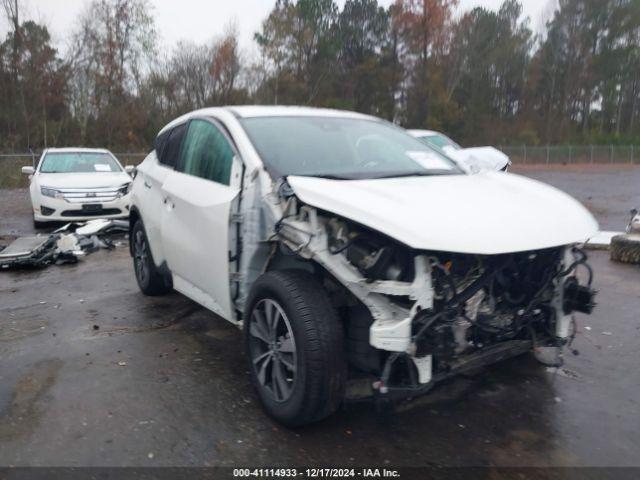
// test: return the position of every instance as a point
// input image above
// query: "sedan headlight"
(125, 189)
(50, 192)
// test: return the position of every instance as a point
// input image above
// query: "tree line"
(483, 76)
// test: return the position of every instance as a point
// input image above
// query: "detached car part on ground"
(65, 245)
(474, 158)
(349, 253)
(78, 184)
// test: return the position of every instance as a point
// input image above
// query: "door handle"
(167, 201)
(147, 185)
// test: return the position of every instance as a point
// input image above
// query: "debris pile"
(634, 222)
(626, 248)
(65, 245)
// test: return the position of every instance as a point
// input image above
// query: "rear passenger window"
(160, 143)
(168, 146)
(206, 153)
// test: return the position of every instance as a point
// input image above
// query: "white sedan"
(78, 184)
(475, 158)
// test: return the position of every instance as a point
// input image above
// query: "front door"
(197, 202)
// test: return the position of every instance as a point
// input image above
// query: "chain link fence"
(11, 176)
(573, 154)
(11, 166)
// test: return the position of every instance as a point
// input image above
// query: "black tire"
(317, 386)
(150, 279)
(626, 248)
(37, 225)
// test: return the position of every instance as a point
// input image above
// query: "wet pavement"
(94, 373)
(610, 192)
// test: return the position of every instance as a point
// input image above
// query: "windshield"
(79, 162)
(342, 148)
(441, 141)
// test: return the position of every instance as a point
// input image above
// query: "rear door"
(153, 175)
(197, 201)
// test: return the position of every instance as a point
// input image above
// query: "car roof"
(76, 150)
(253, 111)
(256, 111)
(423, 133)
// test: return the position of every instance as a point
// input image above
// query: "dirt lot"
(94, 373)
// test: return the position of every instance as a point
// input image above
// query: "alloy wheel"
(273, 350)
(141, 257)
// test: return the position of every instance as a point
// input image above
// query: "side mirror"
(130, 169)
(633, 212)
(28, 170)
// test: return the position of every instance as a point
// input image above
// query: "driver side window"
(206, 153)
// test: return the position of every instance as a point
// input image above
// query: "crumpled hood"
(487, 213)
(83, 180)
(485, 157)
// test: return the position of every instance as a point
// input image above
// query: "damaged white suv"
(353, 254)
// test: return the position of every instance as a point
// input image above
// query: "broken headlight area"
(482, 301)
(489, 308)
(375, 256)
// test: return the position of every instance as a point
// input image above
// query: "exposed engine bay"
(413, 317)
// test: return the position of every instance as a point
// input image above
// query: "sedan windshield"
(441, 141)
(79, 162)
(342, 148)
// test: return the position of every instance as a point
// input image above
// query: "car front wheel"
(295, 344)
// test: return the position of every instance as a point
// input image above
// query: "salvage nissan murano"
(352, 254)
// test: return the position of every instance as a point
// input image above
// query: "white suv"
(353, 254)
(77, 184)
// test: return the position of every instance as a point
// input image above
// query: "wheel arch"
(285, 259)
(134, 216)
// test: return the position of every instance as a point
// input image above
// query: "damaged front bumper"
(424, 381)
(451, 312)
(29, 251)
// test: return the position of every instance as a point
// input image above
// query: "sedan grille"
(86, 195)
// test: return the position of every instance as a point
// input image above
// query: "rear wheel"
(150, 279)
(295, 345)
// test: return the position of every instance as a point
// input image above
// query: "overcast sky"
(201, 20)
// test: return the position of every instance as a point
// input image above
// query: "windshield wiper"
(330, 176)
(406, 174)
(365, 176)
